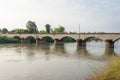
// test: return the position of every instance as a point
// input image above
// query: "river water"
(49, 62)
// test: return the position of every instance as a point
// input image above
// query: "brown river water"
(50, 62)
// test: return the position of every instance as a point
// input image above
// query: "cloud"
(93, 15)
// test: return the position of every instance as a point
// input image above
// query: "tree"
(32, 27)
(19, 31)
(42, 32)
(4, 30)
(60, 29)
(47, 28)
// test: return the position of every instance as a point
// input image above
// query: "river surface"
(49, 62)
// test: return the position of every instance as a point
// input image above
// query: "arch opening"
(47, 39)
(117, 43)
(31, 39)
(94, 42)
(89, 39)
(68, 39)
(118, 39)
(17, 39)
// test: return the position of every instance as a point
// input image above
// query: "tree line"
(31, 28)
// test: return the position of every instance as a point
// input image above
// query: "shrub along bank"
(4, 39)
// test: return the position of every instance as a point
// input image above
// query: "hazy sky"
(92, 15)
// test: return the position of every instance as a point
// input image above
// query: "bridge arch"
(116, 40)
(16, 37)
(47, 39)
(92, 38)
(68, 39)
(30, 39)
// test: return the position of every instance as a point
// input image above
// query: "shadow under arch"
(17, 38)
(47, 39)
(68, 39)
(31, 39)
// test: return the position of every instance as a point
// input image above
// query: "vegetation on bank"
(4, 39)
(110, 72)
(69, 40)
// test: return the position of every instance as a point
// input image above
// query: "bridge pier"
(58, 42)
(109, 44)
(81, 42)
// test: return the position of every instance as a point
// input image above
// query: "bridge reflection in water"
(69, 50)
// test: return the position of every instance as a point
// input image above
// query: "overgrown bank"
(4, 39)
(110, 72)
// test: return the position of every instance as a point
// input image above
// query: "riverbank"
(4, 39)
(110, 72)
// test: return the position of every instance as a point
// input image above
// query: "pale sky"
(92, 15)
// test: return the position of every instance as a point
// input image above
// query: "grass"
(110, 72)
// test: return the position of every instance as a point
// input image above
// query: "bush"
(5, 39)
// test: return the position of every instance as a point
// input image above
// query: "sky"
(92, 15)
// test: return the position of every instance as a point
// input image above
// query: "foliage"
(8, 40)
(47, 28)
(32, 27)
(42, 31)
(69, 40)
(32, 40)
(19, 31)
(49, 40)
(59, 29)
(4, 30)
(111, 72)
(72, 32)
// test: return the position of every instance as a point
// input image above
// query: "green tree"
(19, 31)
(4, 30)
(42, 31)
(32, 27)
(59, 29)
(47, 28)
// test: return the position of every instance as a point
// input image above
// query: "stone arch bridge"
(108, 38)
